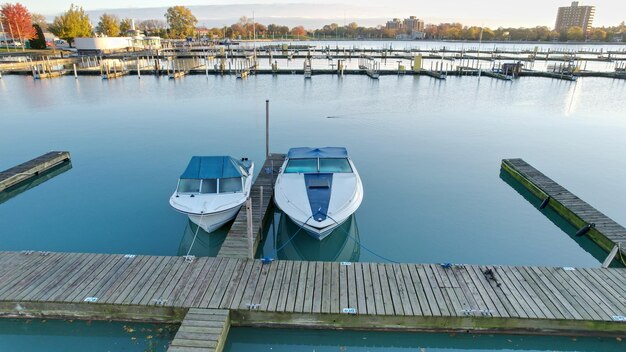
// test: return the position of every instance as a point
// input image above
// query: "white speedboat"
(212, 190)
(318, 188)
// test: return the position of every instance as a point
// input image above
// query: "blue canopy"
(326, 152)
(213, 167)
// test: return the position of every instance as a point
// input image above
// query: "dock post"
(75, 73)
(249, 227)
(267, 128)
(261, 197)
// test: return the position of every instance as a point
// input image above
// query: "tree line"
(180, 22)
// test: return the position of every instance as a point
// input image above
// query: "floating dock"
(237, 242)
(372, 296)
(603, 230)
(32, 168)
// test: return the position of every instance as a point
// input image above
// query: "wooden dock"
(237, 243)
(202, 330)
(603, 230)
(23, 172)
(373, 296)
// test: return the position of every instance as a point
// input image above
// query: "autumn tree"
(125, 26)
(181, 21)
(108, 25)
(298, 31)
(575, 33)
(73, 23)
(17, 22)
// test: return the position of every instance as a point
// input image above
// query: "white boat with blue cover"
(212, 190)
(318, 188)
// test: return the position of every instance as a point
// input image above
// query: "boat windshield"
(188, 185)
(326, 165)
(301, 165)
(209, 185)
(230, 185)
(335, 165)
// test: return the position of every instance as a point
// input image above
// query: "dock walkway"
(202, 330)
(31, 168)
(603, 230)
(377, 296)
(236, 244)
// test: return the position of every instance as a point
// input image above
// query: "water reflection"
(34, 182)
(206, 244)
(340, 245)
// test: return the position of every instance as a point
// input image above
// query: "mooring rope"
(195, 235)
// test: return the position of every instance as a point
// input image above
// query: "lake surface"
(428, 152)
(25, 335)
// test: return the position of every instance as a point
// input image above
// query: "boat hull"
(213, 221)
(317, 233)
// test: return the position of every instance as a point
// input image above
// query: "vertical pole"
(249, 227)
(75, 73)
(261, 200)
(138, 69)
(267, 128)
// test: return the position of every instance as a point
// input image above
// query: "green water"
(246, 339)
(25, 335)
(428, 153)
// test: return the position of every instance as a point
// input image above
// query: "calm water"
(245, 339)
(428, 152)
(25, 335)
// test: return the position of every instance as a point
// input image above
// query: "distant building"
(414, 35)
(575, 16)
(105, 45)
(413, 24)
(396, 24)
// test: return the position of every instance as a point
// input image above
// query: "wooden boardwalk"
(236, 244)
(32, 168)
(604, 231)
(202, 330)
(546, 300)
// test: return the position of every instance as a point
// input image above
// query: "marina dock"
(329, 295)
(604, 231)
(237, 243)
(32, 168)
(208, 295)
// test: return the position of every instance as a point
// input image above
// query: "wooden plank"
(403, 291)
(572, 297)
(52, 277)
(334, 288)
(377, 288)
(310, 288)
(326, 288)
(278, 284)
(222, 285)
(370, 301)
(300, 292)
(145, 294)
(281, 305)
(388, 302)
(266, 291)
(424, 292)
(360, 289)
(239, 278)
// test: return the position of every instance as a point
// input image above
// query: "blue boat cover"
(202, 167)
(318, 189)
(326, 152)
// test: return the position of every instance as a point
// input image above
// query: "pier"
(32, 168)
(238, 243)
(603, 230)
(208, 295)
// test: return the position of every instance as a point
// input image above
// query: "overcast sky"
(490, 13)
